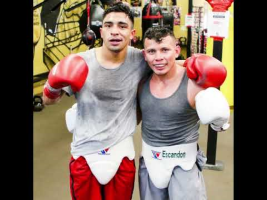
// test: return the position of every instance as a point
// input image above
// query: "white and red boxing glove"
(205, 70)
(212, 108)
(70, 71)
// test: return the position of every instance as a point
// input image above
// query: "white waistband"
(104, 164)
(182, 152)
(160, 161)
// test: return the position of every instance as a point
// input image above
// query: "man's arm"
(70, 71)
(138, 109)
(48, 101)
(138, 112)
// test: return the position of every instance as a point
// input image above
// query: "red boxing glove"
(220, 5)
(207, 71)
(71, 70)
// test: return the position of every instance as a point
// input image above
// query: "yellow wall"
(227, 59)
(181, 30)
(38, 40)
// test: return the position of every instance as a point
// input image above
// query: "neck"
(111, 57)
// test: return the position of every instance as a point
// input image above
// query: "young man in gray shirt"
(172, 101)
(104, 81)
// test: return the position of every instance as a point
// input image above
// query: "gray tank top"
(168, 121)
(106, 104)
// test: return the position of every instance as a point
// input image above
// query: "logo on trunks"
(165, 154)
(104, 152)
(156, 154)
(173, 155)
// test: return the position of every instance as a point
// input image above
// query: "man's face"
(161, 56)
(116, 31)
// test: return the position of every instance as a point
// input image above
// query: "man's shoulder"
(86, 53)
(136, 51)
(180, 62)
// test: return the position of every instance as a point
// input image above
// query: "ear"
(100, 30)
(144, 54)
(177, 51)
(133, 31)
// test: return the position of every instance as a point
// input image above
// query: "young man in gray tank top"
(171, 106)
(104, 81)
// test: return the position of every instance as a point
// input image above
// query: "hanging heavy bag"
(168, 19)
(96, 17)
(151, 16)
(107, 2)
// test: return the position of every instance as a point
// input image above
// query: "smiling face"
(117, 31)
(161, 55)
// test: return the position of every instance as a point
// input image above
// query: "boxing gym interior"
(58, 30)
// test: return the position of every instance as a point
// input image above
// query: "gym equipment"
(151, 16)
(168, 19)
(96, 16)
(212, 163)
(107, 2)
(182, 41)
(37, 103)
(88, 36)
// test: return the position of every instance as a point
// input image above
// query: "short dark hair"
(120, 7)
(157, 33)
